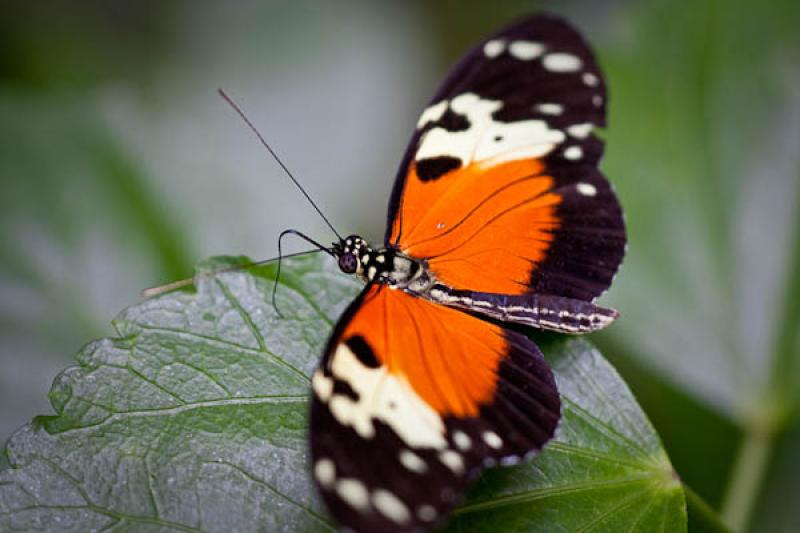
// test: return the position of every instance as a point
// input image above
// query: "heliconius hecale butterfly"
(498, 214)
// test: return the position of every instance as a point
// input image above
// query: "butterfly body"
(386, 266)
(499, 216)
(390, 267)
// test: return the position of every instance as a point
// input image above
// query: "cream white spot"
(322, 385)
(492, 439)
(581, 131)
(386, 397)
(597, 100)
(573, 153)
(353, 492)
(371, 271)
(325, 472)
(381, 259)
(470, 102)
(562, 62)
(440, 225)
(517, 140)
(550, 109)
(426, 513)
(525, 50)
(494, 47)
(431, 114)
(390, 506)
(590, 79)
(452, 460)
(462, 440)
(413, 462)
(586, 189)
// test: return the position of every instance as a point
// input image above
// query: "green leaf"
(713, 233)
(194, 418)
(702, 150)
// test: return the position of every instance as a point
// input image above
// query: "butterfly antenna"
(308, 239)
(161, 289)
(266, 145)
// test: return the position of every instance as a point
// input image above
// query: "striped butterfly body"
(498, 215)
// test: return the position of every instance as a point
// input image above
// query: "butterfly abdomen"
(542, 311)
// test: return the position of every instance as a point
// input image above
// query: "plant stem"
(702, 518)
(748, 472)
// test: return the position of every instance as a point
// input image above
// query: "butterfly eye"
(347, 263)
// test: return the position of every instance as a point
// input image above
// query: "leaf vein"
(607, 430)
(608, 513)
(317, 517)
(571, 449)
(254, 330)
(548, 492)
(168, 411)
(600, 393)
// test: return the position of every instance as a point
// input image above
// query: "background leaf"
(710, 287)
(69, 252)
(194, 418)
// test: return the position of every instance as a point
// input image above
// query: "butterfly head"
(350, 253)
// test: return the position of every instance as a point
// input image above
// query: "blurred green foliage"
(114, 155)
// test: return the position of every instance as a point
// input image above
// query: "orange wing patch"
(449, 358)
(411, 399)
(483, 227)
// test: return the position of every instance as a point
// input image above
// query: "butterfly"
(498, 216)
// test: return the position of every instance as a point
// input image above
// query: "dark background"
(120, 168)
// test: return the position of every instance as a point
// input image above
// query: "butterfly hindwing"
(499, 189)
(411, 400)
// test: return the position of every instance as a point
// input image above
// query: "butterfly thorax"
(387, 266)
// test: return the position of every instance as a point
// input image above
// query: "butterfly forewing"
(411, 399)
(499, 188)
